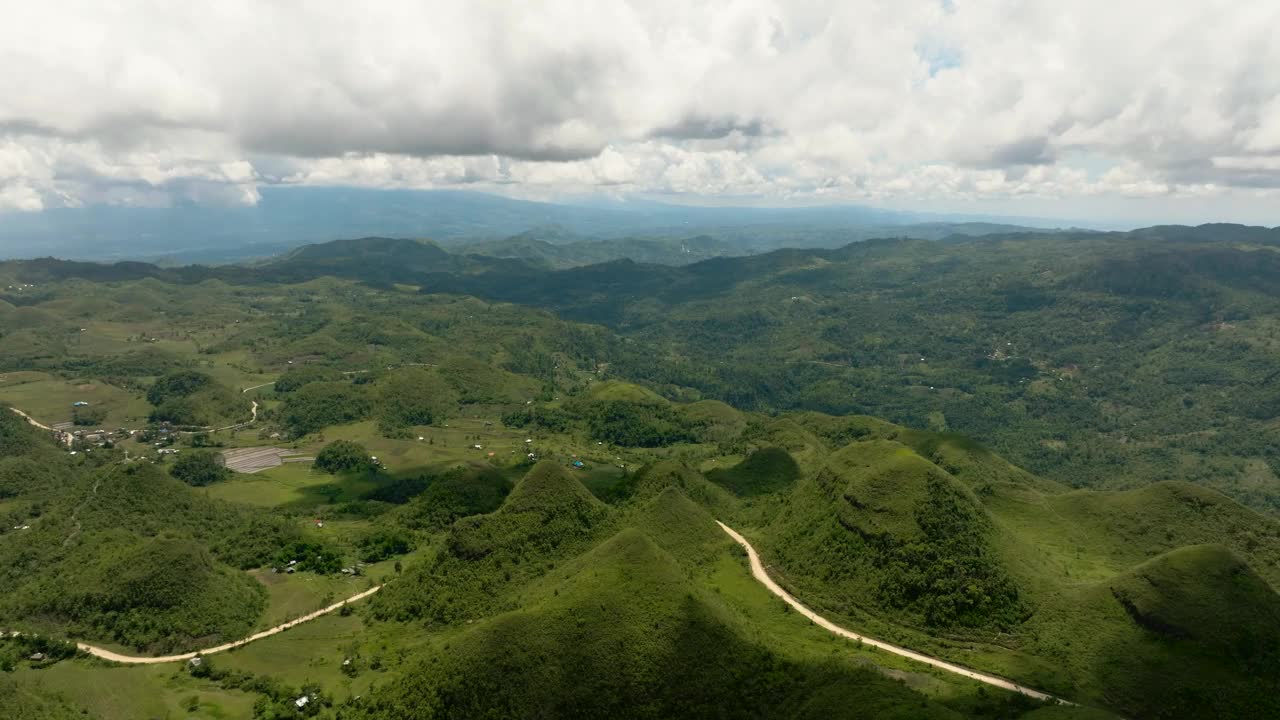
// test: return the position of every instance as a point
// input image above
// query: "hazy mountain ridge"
(287, 217)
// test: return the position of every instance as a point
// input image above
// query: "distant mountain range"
(288, 217)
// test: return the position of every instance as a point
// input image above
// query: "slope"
(547, 517)
(160, 595)
(621, 632)
(1099, 596)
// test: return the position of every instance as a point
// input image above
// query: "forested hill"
(1099, 359)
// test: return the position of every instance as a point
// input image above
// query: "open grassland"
(129, 693)
(49, 399)
(293, 595)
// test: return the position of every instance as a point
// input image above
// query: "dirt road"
(33, 421)
(136, 660)
(757, 570)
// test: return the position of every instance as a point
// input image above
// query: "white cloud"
(861, 100)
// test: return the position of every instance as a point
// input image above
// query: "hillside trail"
(760, 574)
(31, 420)
(75, 514)
(237, 426)
(142, 660)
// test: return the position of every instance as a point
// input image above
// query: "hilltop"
(622, 632)
(1061, 588)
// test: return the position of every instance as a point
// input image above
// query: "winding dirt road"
(137, 660)
(757, 570)
(32, 420)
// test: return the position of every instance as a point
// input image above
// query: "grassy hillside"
(121, 552)
(883, 528)
(192, 398)
(159, 596)
(1098, 359)
(459, 493)
(1094, 594)
(548, 516)
(765, 470)
(1115, 573)
(621, 632)
(658, 477)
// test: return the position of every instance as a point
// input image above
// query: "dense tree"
(318, 405)
(179, 384)
(88, 416)
(342, 456)
(200, 467)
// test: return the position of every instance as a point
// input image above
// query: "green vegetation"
(1047, 582)
(548, 516)
(192, 398)
(310, 556)
(317, 405)
(547, 489)
(626, 607)
(342, 456)
(88, 416)
(161, 595)
(765, 470)
(297, 377)
(415, 396)
(199, 468)
(1095, 359)
(458, 493)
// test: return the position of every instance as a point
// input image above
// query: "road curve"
(32, 420)
(136, 660)
(757, 570)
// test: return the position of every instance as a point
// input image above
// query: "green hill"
(144, 500)
(655, 478)
(126, 553)
(191, 398)
(457, 493)
(881, 527)
(1078, 592)
(624, 391)
(680, 527)
(548, 489)
(620, 632)
(549, 516)
(1133, 525)
(1193, 633)
(767, 470)
(159, 596)
(31, 467)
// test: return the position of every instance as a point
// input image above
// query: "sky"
(1135, 110)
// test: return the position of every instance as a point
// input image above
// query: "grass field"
(140, 691)
(49, 399)
(294, 595)
(288, 483)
